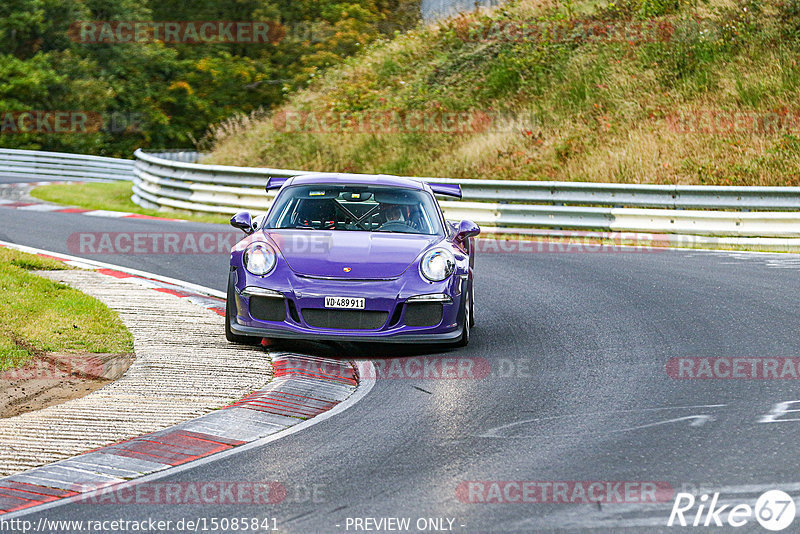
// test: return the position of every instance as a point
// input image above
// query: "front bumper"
(298, 310)
(272, 332)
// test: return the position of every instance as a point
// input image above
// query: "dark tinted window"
(356, 208)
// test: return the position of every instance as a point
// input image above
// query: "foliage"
(163, 95)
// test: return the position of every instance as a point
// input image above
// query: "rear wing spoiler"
(450, 190)
(276, 183)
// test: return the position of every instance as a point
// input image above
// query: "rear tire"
(229, 314)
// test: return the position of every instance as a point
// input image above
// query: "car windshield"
(355, 208)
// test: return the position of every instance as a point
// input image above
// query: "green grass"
(37, 314)
(113, 196)
(589, 109)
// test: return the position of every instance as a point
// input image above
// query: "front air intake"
(423, 313)
(268, 309)
(345, 319)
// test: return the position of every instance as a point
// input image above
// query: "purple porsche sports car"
(352, 257)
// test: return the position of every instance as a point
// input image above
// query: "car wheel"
(463, 341)
(472, 306)
(229, 313)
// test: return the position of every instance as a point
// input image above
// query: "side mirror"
(243, 222)
(467, 229)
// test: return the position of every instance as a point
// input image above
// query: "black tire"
(229, 313)
(472, 306)
(463, 341)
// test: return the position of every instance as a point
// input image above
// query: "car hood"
(354, 255)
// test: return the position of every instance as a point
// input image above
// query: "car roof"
(356, 179)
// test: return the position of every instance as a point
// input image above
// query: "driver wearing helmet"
(393, 213)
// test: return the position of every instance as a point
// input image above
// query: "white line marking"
(41, 207)
(493, 433)
(696, 420)
(104, 213)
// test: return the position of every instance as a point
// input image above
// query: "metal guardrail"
(503, 206)
(175, 180)
(432, 10)
(28, 164)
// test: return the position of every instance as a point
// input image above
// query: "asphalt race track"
(577, 344)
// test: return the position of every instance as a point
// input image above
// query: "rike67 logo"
(774, 510)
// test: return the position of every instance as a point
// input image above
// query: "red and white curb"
(305, 390)
(297, 393)
(27, 205)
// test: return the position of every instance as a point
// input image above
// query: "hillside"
(638, 91)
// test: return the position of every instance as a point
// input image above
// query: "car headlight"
(437, 264)
(259, 258)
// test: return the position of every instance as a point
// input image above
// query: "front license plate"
(345, 302)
